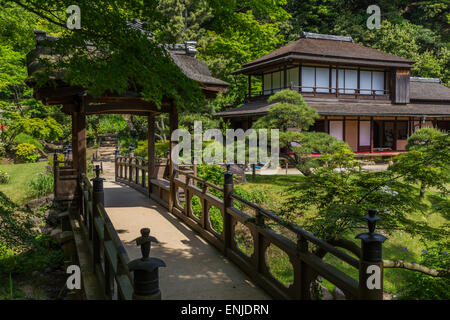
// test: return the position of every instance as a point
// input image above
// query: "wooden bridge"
(203, 261)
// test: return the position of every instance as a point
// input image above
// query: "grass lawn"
(274, 188)
(20, 175)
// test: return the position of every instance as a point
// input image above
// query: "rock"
(51, 216)
(238, 173)
(326, 295)
(35, 274)
(48, 270)
(55, 232)
(338, 294)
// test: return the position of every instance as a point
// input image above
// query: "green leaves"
(291, 111)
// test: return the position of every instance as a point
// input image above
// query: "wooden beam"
(56, 92)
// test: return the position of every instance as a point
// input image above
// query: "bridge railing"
(264, 229)
(109, 257)
(296, 245)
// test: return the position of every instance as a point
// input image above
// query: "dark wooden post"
(55, 174)
(98, 198)
(116, 163)
(253, 171)
(173, 122)
(302, 247)
(151, 150)
(227, 203)
(130, 169)
(136, 179)
(371, 262)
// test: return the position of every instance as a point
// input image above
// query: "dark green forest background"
(229, 34)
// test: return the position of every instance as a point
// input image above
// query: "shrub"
(41, 185)
(4, 177)
(424, 287)
(26, 138)
(60, 159)
(27, 152)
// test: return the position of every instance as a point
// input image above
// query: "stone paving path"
(195, 269)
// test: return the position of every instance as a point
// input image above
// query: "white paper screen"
(267, 83)
(365, 82)
(308, 79)
(323, 79)
(351, 80)
(292, 77)
(364, 133)
(337, 129)
(378, 82)
(276, 81)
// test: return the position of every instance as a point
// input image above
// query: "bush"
(424, 287)
(42, 185)
(25, 138)
(4, 177)
(27, 152)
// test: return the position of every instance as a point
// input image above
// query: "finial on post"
(144, 241)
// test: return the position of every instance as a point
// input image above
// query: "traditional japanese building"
(363, 96)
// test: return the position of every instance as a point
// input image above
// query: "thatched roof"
(180, 53)
(428, 89)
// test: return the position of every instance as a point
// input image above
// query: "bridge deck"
(195, 269)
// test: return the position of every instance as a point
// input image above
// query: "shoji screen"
(323, 79)
(308, 79)
(364, 133)
(365, 83)
(351, 80)
(337, 129)
(267, 83)
(292, 77)
(276, 81)
(378, 82)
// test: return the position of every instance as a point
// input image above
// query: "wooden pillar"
(371, 134)
(173, 123)
(249, 86)
(79, 141)
(151, 149)
(395, 133)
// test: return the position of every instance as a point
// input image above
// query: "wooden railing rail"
(108, 253)
(264, 229)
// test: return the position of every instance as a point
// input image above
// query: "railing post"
(55, 174)
(371, 262)
(136, 179)
(130, 169)
(116, 163)
(98, 198)
(227, 203)
(302, 247)
(146, 277)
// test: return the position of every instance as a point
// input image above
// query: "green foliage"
(290, 111)
(428, 159)
(161, 148)
(41, 185)
(211, 173)
(27, 152)
(25, 138)
(425, 287)
(340, 194)
(304, 144)
(4, 177)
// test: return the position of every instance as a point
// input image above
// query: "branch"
(346, 244)
(415, 267)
